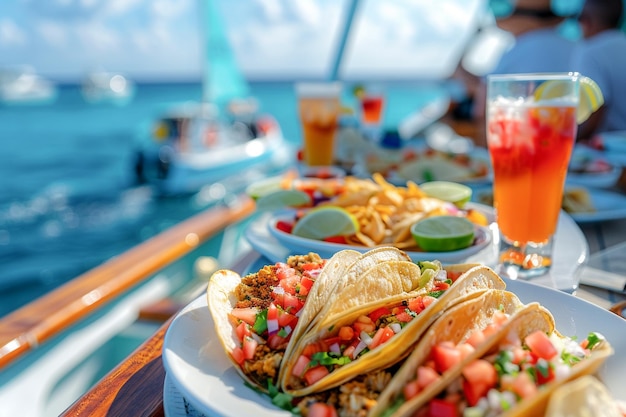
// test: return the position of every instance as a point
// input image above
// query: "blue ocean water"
(68, 200)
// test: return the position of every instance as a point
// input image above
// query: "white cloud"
(53, 33)
(11, 34)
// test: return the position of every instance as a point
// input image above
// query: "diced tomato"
(442, 408)
(411, 389)
(237, 354)
(275, 341)
(480, 372)
(476, 338)
(426, 376)
(416, 304)
(540, 345)
(346, 333)
(445, 355)
(286, 319)
(363, 323)
(378, 313)
(242, 330)
(290, 284)
(306, 282)
(321, 410)
(284, 271)
(466, 349)
(522, 384)
(382, 335)
(249, 347)
(474, 392)
(404, 317)
(245, 314)
(312, 348)
(300, 366)
(363, 327)
(311, 266)
(314, 374)
(427, 300)
(291, 303)
(336, 239)
(441, 286)
(284, 226)
(453, 276)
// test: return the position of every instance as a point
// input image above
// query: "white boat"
(22, 85)
(198, 143)
(107, 87)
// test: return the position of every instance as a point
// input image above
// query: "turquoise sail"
(222, 78)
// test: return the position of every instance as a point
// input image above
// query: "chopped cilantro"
(436, 294)
(594, 339)
(260, 323)
(328, 359)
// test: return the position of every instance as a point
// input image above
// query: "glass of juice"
(319, 107)
(531, 130)
(372, 101)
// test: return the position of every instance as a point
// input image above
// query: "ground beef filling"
(352, 399)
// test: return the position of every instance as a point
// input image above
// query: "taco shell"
(345, 310)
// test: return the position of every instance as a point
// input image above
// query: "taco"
(255, 315)
(371, 392)
(368, 327)
(512, 374)
(258, 316)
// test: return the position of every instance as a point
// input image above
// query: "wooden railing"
(31, 325)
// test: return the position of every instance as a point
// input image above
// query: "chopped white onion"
(396, 327)
(358, 349)
(442, 275)
(365, 338)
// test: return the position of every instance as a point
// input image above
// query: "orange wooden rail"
(27, 327)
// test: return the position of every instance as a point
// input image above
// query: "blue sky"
(160, 39)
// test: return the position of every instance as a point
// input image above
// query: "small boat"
(197, 143)
(107, 87)
(22, 85)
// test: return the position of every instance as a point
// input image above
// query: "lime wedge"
(591, 98)
(452, 192)
(443, 233)
(265, 186)
(282, 199)
(324, 222)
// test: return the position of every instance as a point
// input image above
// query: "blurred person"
(601, 55)
(538, 47)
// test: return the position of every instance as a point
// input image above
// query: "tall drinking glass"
(319, 107)
(531, 130)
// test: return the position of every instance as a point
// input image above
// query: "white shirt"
(542, 50)
(603, 59)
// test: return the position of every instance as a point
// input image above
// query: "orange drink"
(319, 109)
(530, 141)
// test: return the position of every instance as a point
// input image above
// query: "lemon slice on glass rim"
(591, 98)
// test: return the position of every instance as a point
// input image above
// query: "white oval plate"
(582, 155)
(300, 245)
(198, 367)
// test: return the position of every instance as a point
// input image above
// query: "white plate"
(197, 365)
(583, 155)
(609, 205)
(298, 245)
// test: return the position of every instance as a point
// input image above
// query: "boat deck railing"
(26, 328)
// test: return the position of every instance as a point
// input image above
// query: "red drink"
(530, 148)
(372, 109)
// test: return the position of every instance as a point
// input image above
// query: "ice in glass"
(531, 132)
